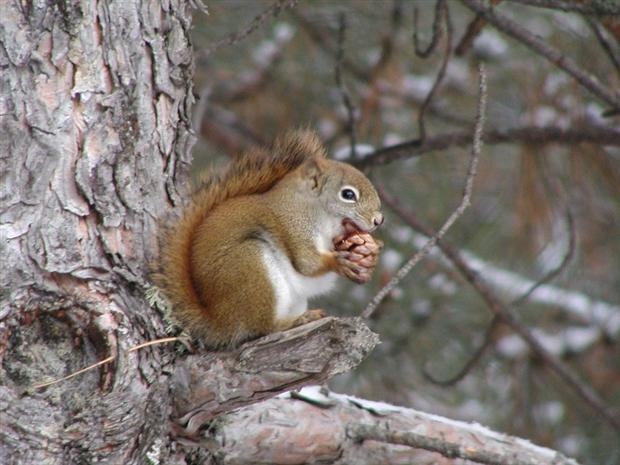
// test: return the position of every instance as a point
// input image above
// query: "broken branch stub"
(209, 384)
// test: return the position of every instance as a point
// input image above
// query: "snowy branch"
(210, 384)
(601, 316)
(320, 426)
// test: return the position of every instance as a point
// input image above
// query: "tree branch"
(425, 52)
(237, 36)
(464, 203)
(321, 426)
(606, 44)
(473, 30)
(510, 318)
(599, 135)
(536, 44)
(441, 10)
(586, 8)
(344, 93)
(210, 384)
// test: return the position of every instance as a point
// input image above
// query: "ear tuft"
(302, 144)
(312, 171)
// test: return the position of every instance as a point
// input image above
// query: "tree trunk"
(95, 141)
(94, 108)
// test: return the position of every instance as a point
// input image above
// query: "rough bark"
(317, 426)
(94, 108)
(207, 385)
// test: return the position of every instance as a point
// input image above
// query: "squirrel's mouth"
(351, 227)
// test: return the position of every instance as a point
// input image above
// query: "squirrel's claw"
(358, 270)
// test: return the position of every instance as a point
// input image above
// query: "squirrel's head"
(345, 193)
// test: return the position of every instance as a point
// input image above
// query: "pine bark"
(94, 113)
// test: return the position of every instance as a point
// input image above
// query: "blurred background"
(541, 238)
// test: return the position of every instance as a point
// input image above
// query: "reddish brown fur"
(254, 173)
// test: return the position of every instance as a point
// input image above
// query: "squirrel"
(261, 237)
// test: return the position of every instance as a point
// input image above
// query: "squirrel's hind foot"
(308, 316)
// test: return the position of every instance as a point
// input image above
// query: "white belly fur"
(291, 288)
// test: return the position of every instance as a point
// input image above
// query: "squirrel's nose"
(378, 219)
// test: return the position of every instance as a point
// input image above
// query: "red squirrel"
(258, 239)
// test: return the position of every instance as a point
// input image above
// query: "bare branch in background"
(465, 202)
(488, 336)
(608, 46)
(325, 42)
(346, 99)
(226, 130)
(600, 135)
(237, 36)
(474, 28)
(596, 8)
(443, 11)
(370, 98)
(508, 317)
(487, 342)
(555, 272)
(536, 44)
(249, 84)
(440, 7)
(388, 41)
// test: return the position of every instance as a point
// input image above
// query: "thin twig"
(600, 135)
(555, 272)
(440, 6)
(539, 46)
(474, 28)
(465, 202)
(584, 391)
(488, 336)
(104, 361)
(324, 40)
(602, 38)
(387, 43)
(586, 8)
(237, 36)
(445, 12)
(370, 102)
(487, 341)
(346, 99)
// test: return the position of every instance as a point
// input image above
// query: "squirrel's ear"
(312, 172)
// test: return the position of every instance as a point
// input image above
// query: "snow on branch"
(596, 313)
(315, 425)
(208, 384)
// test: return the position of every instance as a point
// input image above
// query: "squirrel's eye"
(348, 194)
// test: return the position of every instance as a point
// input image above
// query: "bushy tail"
(255, 172)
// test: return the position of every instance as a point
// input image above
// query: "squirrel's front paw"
(357, 256)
